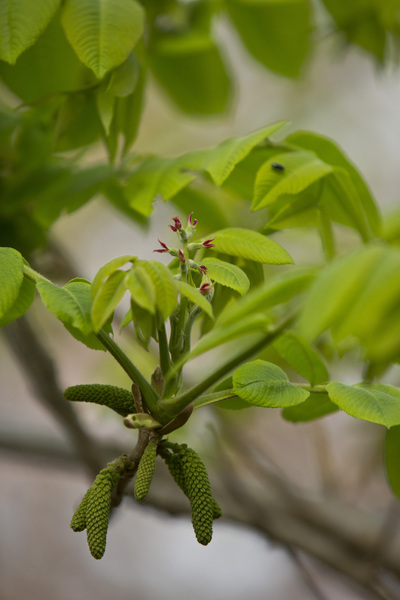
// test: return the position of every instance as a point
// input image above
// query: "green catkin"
(98, 510)
(119, 399)
(145, 470)
(189, 472)
(78, 522)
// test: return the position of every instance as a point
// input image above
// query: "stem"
(174, 405)
(149, 394)
(165, 360)
(316, 389)
(33, 275)
(326, 233)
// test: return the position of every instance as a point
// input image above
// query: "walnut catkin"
(119, 399)
(145, 470)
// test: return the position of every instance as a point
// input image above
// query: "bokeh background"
(150, 555)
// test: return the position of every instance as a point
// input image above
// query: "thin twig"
(305, 574)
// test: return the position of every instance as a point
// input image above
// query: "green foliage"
(276, 33)
(11, 276)
(195, 296)
(145, 470)
(119, 399)
(21, 23)
(116, 24)
(358, 295)
(261, 383)
(316, 406)
(227, 274)
(302, 357)
(250, 245)
(376, 402)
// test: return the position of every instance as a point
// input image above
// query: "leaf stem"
(174, 405)
(149, 394)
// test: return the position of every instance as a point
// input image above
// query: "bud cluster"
(184, 234)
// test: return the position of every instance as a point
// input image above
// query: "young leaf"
(107, 270)
(277, 34)
(195, 296)
(327, 151)
(227, 274)
(107, 31)
(377, 402)
(250, 245)
(164, 284)
(11, 276)
(23, 301)
(302, 357)
(280, 289)
(220, 161)
(315, 407)
(141, 287)
(107, 298)
(21, 23)
(392, 453)
(300, 170)
(70, 304)
(264, 384)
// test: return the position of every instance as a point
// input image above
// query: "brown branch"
(40, 371)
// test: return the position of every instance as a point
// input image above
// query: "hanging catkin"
(98, 510)
(145, 470)
(119, 399)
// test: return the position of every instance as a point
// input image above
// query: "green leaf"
(315, 407)
(276, 33)
(21, 23)
(302, 357)
(280, 289)
(105, 101)
(194, 296)
(392, 453)
(331, 154)
(69, 304)
(11, 277)
(300, 170)
(377, 403)
(107, 31)
(264, 384)
(125, 77)
(250, 245)
(22, 303)
(227, 274)
(358, 295)
(222, 335)
(108, 269)
(220, 161)
(153, 177)
(164, 284)
(107, 298)
(190, 68)
(141, 287)
(55, 64)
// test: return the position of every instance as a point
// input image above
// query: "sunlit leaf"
(377, 402)
(227, 274)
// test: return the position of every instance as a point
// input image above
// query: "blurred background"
(152, 555)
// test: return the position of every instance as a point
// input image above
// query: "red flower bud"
(203, 269)
(192, 222)
(163, 249)
(173, 228)
(208, 244)
(205, 288)
(177, 222)
(181, 257)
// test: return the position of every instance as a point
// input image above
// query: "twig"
(39, 368)
(305, 574)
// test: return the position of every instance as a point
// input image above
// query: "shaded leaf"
(22, 303)
(107, 298)
(302, 357)
(392, 453)
(315, 407)
(11, 277)
(108, 269)
(300, 170)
